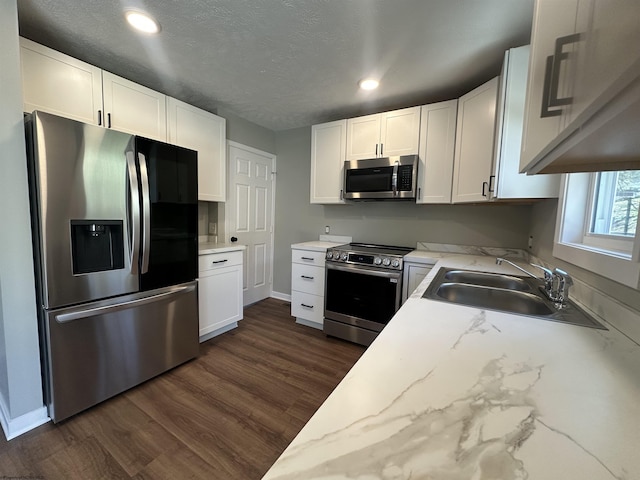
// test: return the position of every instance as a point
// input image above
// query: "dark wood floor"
(226, 415)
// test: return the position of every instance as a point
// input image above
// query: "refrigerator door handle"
(134, 199)
(146, 213)
(92, 312)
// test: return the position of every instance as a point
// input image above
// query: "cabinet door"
(474, 143)
(204, 132)
(363, 137)
(507, 182)
(607, 62)
(132, 108)
(58, 84)
(552, 19)
(437, 144)
(399, 132)
(413, 276)
(219, 298)
(328, 150)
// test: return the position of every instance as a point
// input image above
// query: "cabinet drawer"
(307, 306)
(307, 278)
(308, 258)
(212, 261)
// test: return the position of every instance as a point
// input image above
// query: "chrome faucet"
(556, 282)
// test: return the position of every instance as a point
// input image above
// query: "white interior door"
(250, 216)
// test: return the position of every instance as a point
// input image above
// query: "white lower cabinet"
(219, 293)
(307, 287)
(413, 274)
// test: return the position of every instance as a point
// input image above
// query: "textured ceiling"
(290, 63)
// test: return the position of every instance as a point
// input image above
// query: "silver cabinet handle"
(307, 277)
(306, 306)
(218, 261)
(552, 78)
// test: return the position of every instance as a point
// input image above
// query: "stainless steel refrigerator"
(114, 221)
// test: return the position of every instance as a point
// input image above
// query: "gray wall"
(248, 133)
(20, 384)
(296, 220)
(543, 220)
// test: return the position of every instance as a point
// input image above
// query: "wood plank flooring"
(227, 415)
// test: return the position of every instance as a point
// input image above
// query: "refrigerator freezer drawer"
(101, 349)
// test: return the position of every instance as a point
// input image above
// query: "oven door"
(361, 296)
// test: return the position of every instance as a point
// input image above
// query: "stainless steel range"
(363, 289)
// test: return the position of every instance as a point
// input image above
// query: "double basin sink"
(503, 293)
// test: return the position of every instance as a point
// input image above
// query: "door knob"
(234, 239)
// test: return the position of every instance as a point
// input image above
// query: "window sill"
(615, 266)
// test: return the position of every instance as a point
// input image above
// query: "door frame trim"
(273, 157)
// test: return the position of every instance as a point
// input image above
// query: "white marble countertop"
(452, 392)
(206, 248)
(315, 245)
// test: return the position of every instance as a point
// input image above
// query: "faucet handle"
(564, 282)
(566, 278)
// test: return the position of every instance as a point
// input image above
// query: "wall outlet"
(213, 228)
(327, 229)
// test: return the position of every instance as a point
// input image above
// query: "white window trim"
(569, 243)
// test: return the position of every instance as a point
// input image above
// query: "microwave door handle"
(394, 179)
(133, 213)
(146, 213)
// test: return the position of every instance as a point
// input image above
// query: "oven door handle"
(365, 270)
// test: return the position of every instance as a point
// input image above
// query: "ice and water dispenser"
(96, 245)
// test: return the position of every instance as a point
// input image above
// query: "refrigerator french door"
(114, 219)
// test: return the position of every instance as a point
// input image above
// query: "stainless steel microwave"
(389, 178)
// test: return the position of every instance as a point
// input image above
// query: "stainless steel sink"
(504, 293)
(495, 280)
(494, 298)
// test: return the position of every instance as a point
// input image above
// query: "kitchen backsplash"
(473, 250)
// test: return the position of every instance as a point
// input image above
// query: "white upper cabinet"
(473, 156)
(56, 83)
(506, 181)
(583, 93)
(437, 144)
(204, 132)
(384, 134)
(363, 137)
(62, 85)
(328, 148)
(543, 119)
(132, 108)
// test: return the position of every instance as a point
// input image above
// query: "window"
(613, 213)
(597, 224)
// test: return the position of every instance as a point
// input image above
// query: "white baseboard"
(281, 296)
(14, 427)
(215, 333)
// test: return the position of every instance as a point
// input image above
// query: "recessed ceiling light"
(369, 84)
(142, 22)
